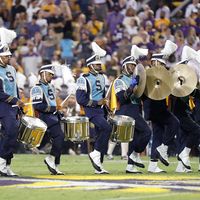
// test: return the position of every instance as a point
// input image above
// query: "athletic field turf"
(79, 181)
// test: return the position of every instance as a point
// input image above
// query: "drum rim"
(33, 125)
(117, 122)
(74, 119)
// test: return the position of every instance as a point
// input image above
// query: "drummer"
(90, 95)
(8, 115)
(125, 86)
(164, 124)
(47, 112)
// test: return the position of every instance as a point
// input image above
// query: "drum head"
(76, 119)
(34, 122)
(123, 119)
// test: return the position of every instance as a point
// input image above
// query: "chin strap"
(94, 69)
(125, 68)
(1, 61)
(45, 78)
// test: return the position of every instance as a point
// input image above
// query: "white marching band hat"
(47, 68)
(136, 52)
(189, 54)
(98, 54)
(168, 49)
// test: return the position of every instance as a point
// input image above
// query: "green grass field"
(79, 181)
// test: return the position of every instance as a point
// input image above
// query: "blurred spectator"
(16, 9)
(31, 60)
(85, 7)
(131, 21)
(144, 13)
(20, 22)
(101, 9)
(55, 21)
(38, 42)
(65, 10)
(94, 26)
(131, 3)
(162, 8)
(78, 24)
(4, 15)
(168, 34)
(42, 22)
(32, 27)
(114, 18)
(66, 47)
(32, 9)
(21, 78)
(162, 20)
(49, 45)
(83, 49)
(49, 7)
(194, 5)
(180, 41)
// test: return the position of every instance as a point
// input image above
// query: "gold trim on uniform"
(9, 99)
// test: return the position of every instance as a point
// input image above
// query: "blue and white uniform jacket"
(90, 89)
(125, 96)
(46, 94)
(8, 90)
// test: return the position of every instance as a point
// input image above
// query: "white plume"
(198, 56)
(137, 52)
(188, 53)
(169, 48)
(6, 35)
(98, 50)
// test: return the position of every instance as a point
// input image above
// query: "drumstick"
(65, 99)
(108, 91)
(31, 103)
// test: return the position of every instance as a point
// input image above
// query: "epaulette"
(38, 84)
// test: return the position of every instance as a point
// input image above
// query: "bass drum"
(122, 128)
(31, 131)
(76, 128)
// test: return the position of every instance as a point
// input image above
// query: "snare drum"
(122, 128)
(31, 131)
(76, 128)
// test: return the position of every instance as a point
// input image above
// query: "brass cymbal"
(158, 83)
(184, 80)
(142, 81)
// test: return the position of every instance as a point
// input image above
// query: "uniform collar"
(42, 82)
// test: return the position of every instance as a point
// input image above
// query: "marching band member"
(189, 133)
(125, 86)
(8, 97)
(90, 95)
(47, 112)
(164, 124)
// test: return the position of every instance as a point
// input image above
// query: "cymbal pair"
(179, 81)
(157, 82)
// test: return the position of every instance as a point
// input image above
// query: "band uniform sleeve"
(82, 93)
(4, 97)
(121, 91)
(37, 95)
